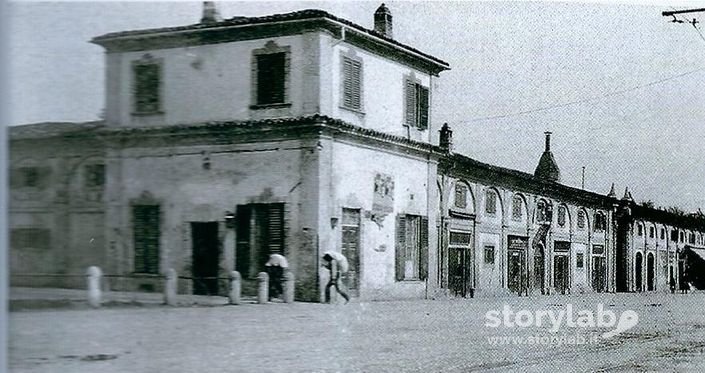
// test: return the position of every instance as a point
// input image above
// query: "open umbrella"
(277, 260)
(343, 265)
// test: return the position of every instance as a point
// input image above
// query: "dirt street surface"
(422, 335)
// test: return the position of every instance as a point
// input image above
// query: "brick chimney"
(383, 21)
(210, 13)
(446, 138)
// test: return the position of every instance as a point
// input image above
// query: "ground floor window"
(411, 257)
(259, 233)
(146, 229)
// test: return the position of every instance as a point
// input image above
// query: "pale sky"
(638, 79)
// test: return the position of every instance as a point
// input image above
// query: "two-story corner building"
(228, 140)
(296, 133)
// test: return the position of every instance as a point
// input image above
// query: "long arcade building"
(228, 140)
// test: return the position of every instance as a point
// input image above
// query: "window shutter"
(271, 75)
(423, 250)
(347, 83)
(423, 107)
(410, 103)
(400, 249)
(275, 228)
(242, 246)
(146, 238)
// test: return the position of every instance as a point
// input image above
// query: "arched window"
(541, 211)
(581, 219)
(651, 232)
(639, 230)
(491, 202)
(663, 233)
(517, 208)
(600, 223)
(461, 195)
(562, 213)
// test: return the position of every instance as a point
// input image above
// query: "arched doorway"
(650, 268)
(638, 269)
(539, 268)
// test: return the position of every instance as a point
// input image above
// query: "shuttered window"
(416, 105)
(259, 233)
(352, 84)
(411, 252)
(271, 76)
(491, 202)
(146, 228)
(147, 78)
(94, 175)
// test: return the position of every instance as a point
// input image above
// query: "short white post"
(235, 287)
(94, 293)
(170, 287)
(262, 287)
(289, 287)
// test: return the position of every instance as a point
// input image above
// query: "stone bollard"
(170, 287)
(262, 288)
(235, 287)
(93, 278)
(289, 287)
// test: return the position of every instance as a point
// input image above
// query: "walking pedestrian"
(336, 264)
(672, 284)
(276, 265)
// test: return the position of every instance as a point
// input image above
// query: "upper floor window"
(543, 212)
(692, 238)
(461, 196)
(147, 85)
(600, 223)
(491, 202)
(581, 219)
(682, 236)
(94, 175)
(640, 230)
(270, 67)
(652, 232)
(416, 104)
(674, 235)
(352, 84)
(517, 208)
(562, 212)
(663, 233)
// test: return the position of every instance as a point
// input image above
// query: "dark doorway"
(622, 252)
(259, 233)
(561, 273)
(458, 271)
(539, 268)
(516, 273)
(638, 268)
(650, 269)
(599, 273)
(206, 257)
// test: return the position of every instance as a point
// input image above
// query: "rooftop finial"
(627, 195)
(548, 141)
(612, 193)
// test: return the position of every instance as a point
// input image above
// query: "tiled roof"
(242, 21)
(52, 129)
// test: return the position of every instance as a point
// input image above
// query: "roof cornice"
(249, 28)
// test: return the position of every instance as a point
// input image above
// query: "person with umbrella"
(337, 264)
(275, 268)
